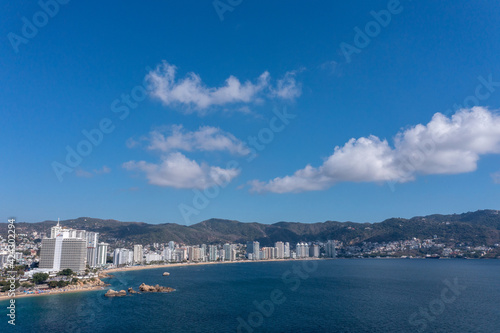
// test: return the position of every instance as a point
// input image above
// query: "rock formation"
(155, 289)
(132, 291)
(113, 293)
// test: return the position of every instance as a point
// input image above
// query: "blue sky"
(203, 85)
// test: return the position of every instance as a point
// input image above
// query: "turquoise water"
(294, 296)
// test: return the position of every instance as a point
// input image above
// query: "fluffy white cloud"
(176, 170)
(196, 96)
(443, 146)
(206, 138)
(287, 87)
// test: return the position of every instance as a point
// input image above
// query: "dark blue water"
(293, 296)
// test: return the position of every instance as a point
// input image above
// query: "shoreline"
(144, 267)
(52, 292)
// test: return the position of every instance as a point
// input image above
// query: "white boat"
(166, 274)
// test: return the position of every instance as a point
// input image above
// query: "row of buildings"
(77, 249)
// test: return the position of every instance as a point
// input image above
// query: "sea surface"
(356, 295)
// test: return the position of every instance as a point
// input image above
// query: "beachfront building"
(314, 251)
(92, 243)
(138, 254)
(212, 253)
(122, 257)
(280, 250)
(227, 251)
(102, 254)
(330, 250)
(253, 250)
(302, 250)
(67, 248)
(287, 250)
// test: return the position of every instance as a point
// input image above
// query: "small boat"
(166, 274)
(434, 256)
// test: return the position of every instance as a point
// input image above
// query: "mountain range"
(476, 228)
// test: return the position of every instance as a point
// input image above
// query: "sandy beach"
(136, 268)
(4, 296)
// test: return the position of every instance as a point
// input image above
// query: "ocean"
(355, 295)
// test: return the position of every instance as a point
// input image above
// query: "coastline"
(52, 292)
(143, 267)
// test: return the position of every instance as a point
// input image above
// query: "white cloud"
(176, 170)
(206, 138)
(79, 172)
(496, 177)
(82, 173)
(287, 87)
(102, 170)
(443, 146)
(192, 93)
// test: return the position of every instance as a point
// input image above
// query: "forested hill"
(477, 228)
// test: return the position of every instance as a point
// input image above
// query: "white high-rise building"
(102, 254)
(302, 250)
(286, 250)
(168, 254)
(330, 250)
(92, 243)
(122, 257)
(138, 254)
(253, 250)
(212, 253)
(280, 250)
(64, 250)
(227, 251)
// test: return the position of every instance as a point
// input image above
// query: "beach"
(57, 291)
(142, 267)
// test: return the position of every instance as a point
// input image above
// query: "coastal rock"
(155, 289)
(114, 293)
(132, 291)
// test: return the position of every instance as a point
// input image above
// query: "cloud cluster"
(443, 146)
(192, 93)
(175, 169)
(206, 138)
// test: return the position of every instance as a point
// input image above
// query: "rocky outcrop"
(155, 289)
(132, 291)
(114, 293)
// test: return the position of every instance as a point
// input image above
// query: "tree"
(39, 278)
(66, 272)
(62, 284)
(53, 284)
(74, 280)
